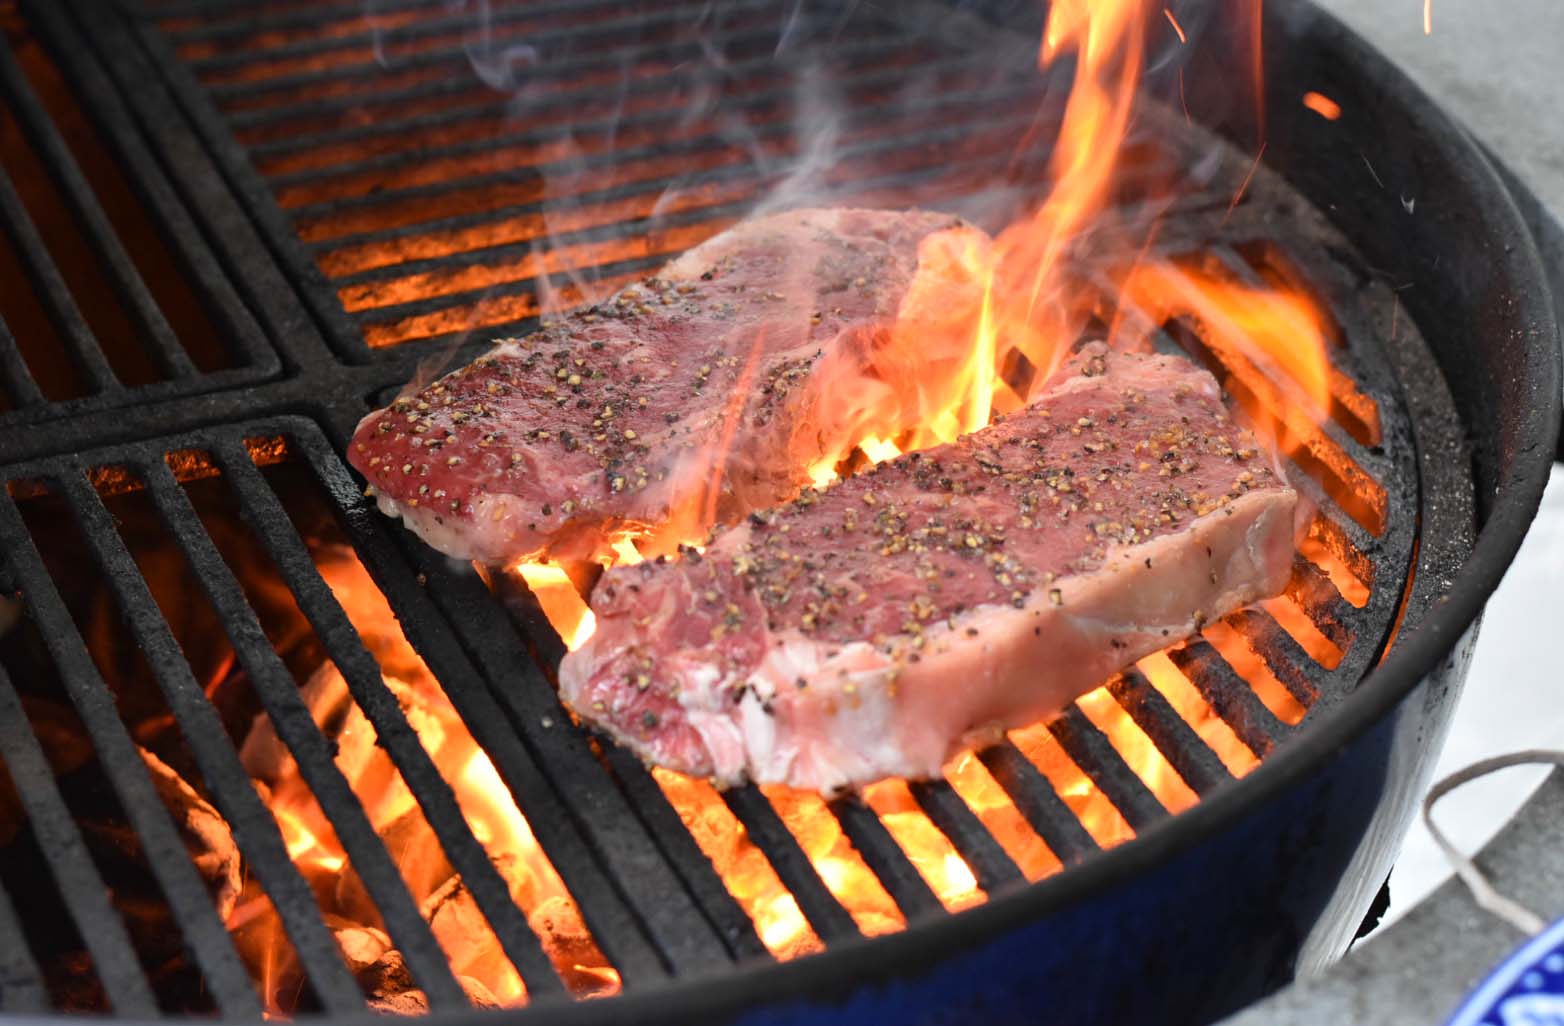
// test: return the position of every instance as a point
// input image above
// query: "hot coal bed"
(266, 753)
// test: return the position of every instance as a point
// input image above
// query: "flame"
(984, 324)
(561, 603)
(1280, 331)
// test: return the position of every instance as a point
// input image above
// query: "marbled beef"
(871, 629)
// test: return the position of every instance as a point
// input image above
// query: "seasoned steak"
(872, 629)
(687, 399)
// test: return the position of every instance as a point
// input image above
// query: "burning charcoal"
(390, 984)
(116, 849)
(362, 946)
(205, 833)
(557, 922)
(417, 854)
(461, 928)
(383, 980)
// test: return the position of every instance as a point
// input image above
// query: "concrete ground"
(1498, 65)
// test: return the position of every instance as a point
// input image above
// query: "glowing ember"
(1322, 105)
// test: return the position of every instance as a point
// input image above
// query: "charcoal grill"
(345, 223)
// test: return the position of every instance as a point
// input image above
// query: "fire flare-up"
(1069, 267)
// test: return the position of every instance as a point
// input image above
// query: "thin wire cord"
(1483, 892)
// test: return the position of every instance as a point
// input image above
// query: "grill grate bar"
(363, 676)
(989, 862)
(1189, 756)
(1282, 654)
(732, 924)
(18, 377)
(313, 754)
(152, 186)
(1037, 800)
(85, 893)
(456, 55)
(1310, 489)
(885, 858)
(1230, 696)
(66, 175)
(21, 982)
(829, 919)
(53, 293)
(94, 703)
(1316, 594)
(1089, 748)
(255, 831)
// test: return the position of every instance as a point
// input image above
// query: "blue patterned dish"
(1526, 990)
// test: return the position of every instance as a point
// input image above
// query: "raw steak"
(871, 629)
(687, 399)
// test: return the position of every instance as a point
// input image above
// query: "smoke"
(499, 65)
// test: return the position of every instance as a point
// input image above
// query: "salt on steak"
(871, 629)
(689, 398)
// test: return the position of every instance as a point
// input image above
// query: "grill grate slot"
(1230, 695)
(21, 982)
(886, 859)
(1090, 749)
(826, 915)
(662, 820)
(237, 326)
(528, 702)
(1283, 655)
(1176, 740)
(450, 57)
(1037, 800)
(990, 863)
(129, 307)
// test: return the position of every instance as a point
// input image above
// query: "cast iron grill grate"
(655, 903)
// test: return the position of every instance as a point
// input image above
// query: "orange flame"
(1322, 105)
(482, 796)
(1021, 300)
